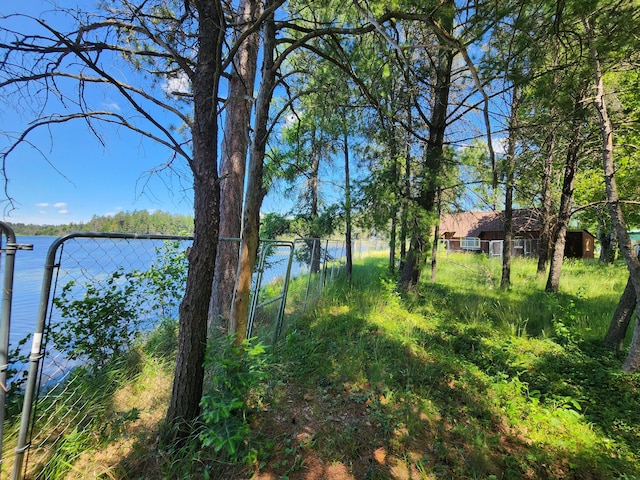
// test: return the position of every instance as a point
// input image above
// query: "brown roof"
(473, 223)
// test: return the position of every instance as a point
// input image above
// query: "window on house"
(470, 243)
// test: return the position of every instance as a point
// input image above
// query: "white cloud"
(177, 84)
(64, 211)
(42, 205)
(112, 106)
(499, 145)
(60, 205)
(114, 212)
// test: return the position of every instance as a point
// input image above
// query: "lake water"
(82, 260)
(29, 268)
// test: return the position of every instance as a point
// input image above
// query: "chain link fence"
(102, 293)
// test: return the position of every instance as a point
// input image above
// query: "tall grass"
(588, 294)
(460, 379)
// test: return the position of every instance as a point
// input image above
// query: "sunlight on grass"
(464, 380)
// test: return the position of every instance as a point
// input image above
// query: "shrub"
(102, 323)
(239, 374)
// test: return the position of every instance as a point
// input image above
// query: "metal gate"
(54, 404)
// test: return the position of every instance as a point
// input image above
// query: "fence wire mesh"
(102, 293)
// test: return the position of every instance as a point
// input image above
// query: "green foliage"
(69, 448)
(138, 221)
(273, 225)
(480, 382)
(163, 340)
(238, 378)
(16, 373)
(165, 279)
(321, 225)
(101, 324)
(439, 379)
(108, 316)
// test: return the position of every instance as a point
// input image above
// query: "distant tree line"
(138, 221)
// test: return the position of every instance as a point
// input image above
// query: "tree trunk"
(621, 318)
(234, 158)
(564, 214)
(544, 247)
(505, 281)
(412, 266)
(608, 243)
(184, 405)
(632, 362)
(393, 234)
(314, 244)
(347, 209)
(393, 153)
(436, 238)
(255, 190)
(433, 159)
(547, 205)
(404, 214)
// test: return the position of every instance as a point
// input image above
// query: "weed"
(238, 378)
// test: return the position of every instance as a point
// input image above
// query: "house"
(477, 231)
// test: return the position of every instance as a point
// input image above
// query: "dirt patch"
(323, 433)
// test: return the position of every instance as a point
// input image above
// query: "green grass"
(455, 380)
(463, 380)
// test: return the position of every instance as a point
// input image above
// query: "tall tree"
(187, 388)
(255, 190)
(576, 141)
(434, 150)
(235, 144)
(167, 44)
(347, 208)
(510, 167)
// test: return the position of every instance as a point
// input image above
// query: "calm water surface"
(29, 268)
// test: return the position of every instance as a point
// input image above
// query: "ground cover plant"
(458, 379)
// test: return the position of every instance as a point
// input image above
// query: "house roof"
(474, 222)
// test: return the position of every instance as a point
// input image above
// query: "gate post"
(5, 318)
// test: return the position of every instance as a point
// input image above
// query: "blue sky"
(70, 176)
(76, 177)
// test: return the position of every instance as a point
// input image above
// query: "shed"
(579, 244)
